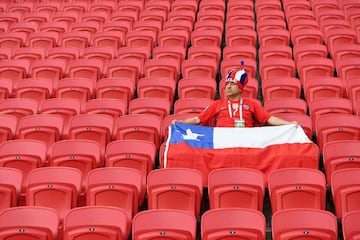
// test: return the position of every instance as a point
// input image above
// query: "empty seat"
(328, 105)
(353, 91)
(44, 127)
(8, 127)
(277, 51)
(54, 69)
(339, 155)
(301, 36)
(350, 227)
(156, 223)
(28, 53)
(177, 53)
(117, 88)
(204, 52)
(345, 190)
(315, 67)
(80, 39)
(236, 188)
(191, 105)
(137, 154)
(14, 69)
(241, 52)
(199, 68)
(66, 53)
(334, 127)
(196, 88)
(108, 39)
(276, 68)
(320, 87)
(155, 106)
(96, 127)
(162, 67)
(120, 187)
(241, 37)
(304, 223)
(44, 40)
(92, 69)
(82, 154)
(111, 107)
(101, 53)
(282, 87)
(175, 188)
(54, 187)
(347, 68)
(23, 154)
(92, 222)
(173, 38)
(37, 89)
(206, 38)
(141, 38)
(65, 107)
(284, 105)
(233, 223)
(81, 89)
(274, 37)
(19, 107)
(32, 222)
(297, 188)
(309, 51)
(125, 68)
(138, 126)
(10, 187)
(155, 87)
(13, 40)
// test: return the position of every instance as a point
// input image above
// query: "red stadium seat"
(282, 87)
(345, 190)
(54, 187)
(339, 155)
(10, 187)
(32, 222)
(117, 88)
(175, 188)
(154, 106)
(297, 188)
(236, 188)
(120, 187)
(350, 227)
(230, 223)
(196, 88)
(91, 222)
(155, 87)
(304, 223)
(19, 107)
(155, 223)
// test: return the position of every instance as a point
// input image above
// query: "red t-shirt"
(251, 110)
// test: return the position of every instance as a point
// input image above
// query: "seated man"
(235, 111)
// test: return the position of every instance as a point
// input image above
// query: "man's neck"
(235, 98)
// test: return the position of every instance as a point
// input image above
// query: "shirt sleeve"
(260, 114)
(208, 113)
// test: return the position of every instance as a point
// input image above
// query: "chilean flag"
(263, 148)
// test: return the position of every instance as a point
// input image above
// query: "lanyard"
(240, 109)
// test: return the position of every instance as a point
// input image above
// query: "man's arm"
(275, 121)
(192, 120)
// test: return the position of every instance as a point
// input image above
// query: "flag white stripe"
(258, 137)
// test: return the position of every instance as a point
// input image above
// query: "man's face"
(232, 89)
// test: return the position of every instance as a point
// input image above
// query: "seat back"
(304, 224)
(345, 189)
(10, 187)
(29, 222)
(297, 188)
(233, 223)
(54, 187)
(164, 224)
(175, 188)
(120, 187)
(236, 187)
(96, 223)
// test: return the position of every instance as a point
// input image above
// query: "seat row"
(70, 183)
(176, 195)
(90, 222)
